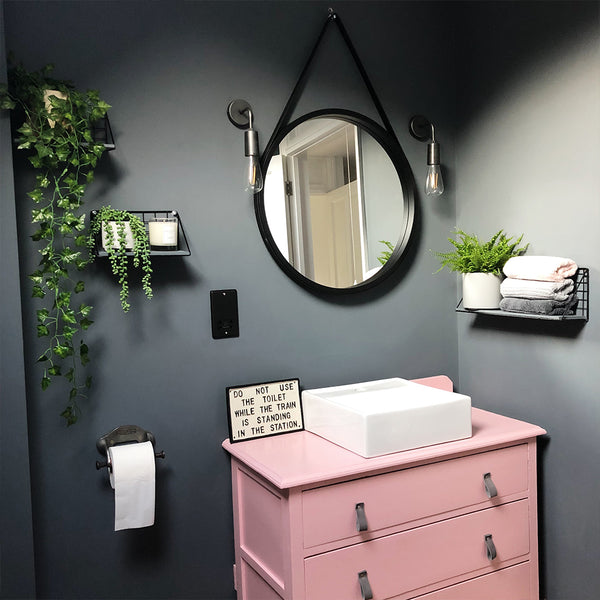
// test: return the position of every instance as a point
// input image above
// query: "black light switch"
(224, 314)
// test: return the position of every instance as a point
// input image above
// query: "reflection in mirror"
(332, 198)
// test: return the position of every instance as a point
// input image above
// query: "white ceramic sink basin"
(389, 415)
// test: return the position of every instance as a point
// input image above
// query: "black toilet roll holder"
(125, 434)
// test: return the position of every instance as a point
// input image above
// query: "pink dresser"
(454, 521)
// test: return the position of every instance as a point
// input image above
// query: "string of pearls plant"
(116, 247)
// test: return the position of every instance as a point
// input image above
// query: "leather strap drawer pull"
(365, 586)
(490, 547)
(490, 488)
(361, 517)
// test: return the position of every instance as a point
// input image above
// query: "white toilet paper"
(133, 479)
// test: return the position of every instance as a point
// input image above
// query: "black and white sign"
(264, 409)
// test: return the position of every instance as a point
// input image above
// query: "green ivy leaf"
(79, 223)
(42, 314)
(43, 150)
(69, 316)
(70, 375)
(43, 233)
(45, 382)
(84, 310)
(69, 415)
(54, 370)
(36, 277)
(37, 292)
(68, 255)
(42, 181)
(68, 332)
(35, 161)
(63, 299)
(85, 323)
(52, 283)
(37, 195)
(42, 331)
(83, 354)
(79, 287)
(62, 350)
(25, 129)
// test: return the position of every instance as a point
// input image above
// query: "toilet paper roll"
(133, 479)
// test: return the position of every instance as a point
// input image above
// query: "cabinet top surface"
(303, 458)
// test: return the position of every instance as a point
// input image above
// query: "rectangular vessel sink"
(389, 415)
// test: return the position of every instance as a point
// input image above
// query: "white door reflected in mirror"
(332, 195)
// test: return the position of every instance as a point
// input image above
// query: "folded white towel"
(542, 290)
(540, 268)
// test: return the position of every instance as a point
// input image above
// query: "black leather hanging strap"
(332, 17)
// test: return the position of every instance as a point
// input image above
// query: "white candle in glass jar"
(163, 233)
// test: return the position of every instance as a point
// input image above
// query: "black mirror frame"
(391, 145)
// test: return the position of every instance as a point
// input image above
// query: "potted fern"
(481, 266)
(121, 232)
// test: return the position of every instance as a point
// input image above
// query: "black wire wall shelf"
(102, 133)
(146, 216)
(580, 313)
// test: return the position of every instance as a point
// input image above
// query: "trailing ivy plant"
(56, 131)
(117, 248)
(470, 255)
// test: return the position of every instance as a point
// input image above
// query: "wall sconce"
(422, 129)
(240, 114)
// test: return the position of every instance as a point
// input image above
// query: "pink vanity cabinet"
(454, 521)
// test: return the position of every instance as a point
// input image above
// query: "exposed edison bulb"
(254, 177)
(434, 184)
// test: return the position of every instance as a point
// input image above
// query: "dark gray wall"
(169, 70)
(16, 535)
(526, 156)
(528, 152)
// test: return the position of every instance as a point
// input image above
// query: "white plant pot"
(113, 225)
(481, 291)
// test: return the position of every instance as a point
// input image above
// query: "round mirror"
(337, 207)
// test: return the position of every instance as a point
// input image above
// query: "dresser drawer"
(404, 562)
(508, 584)
(330, 513)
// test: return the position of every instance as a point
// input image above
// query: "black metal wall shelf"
(102, 133)
(582, 311)
(183, 248)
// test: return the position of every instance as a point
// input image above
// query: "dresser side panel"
(262, 514)
(533, 521)
(254, 586)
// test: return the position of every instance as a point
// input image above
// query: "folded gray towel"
(539, 307)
